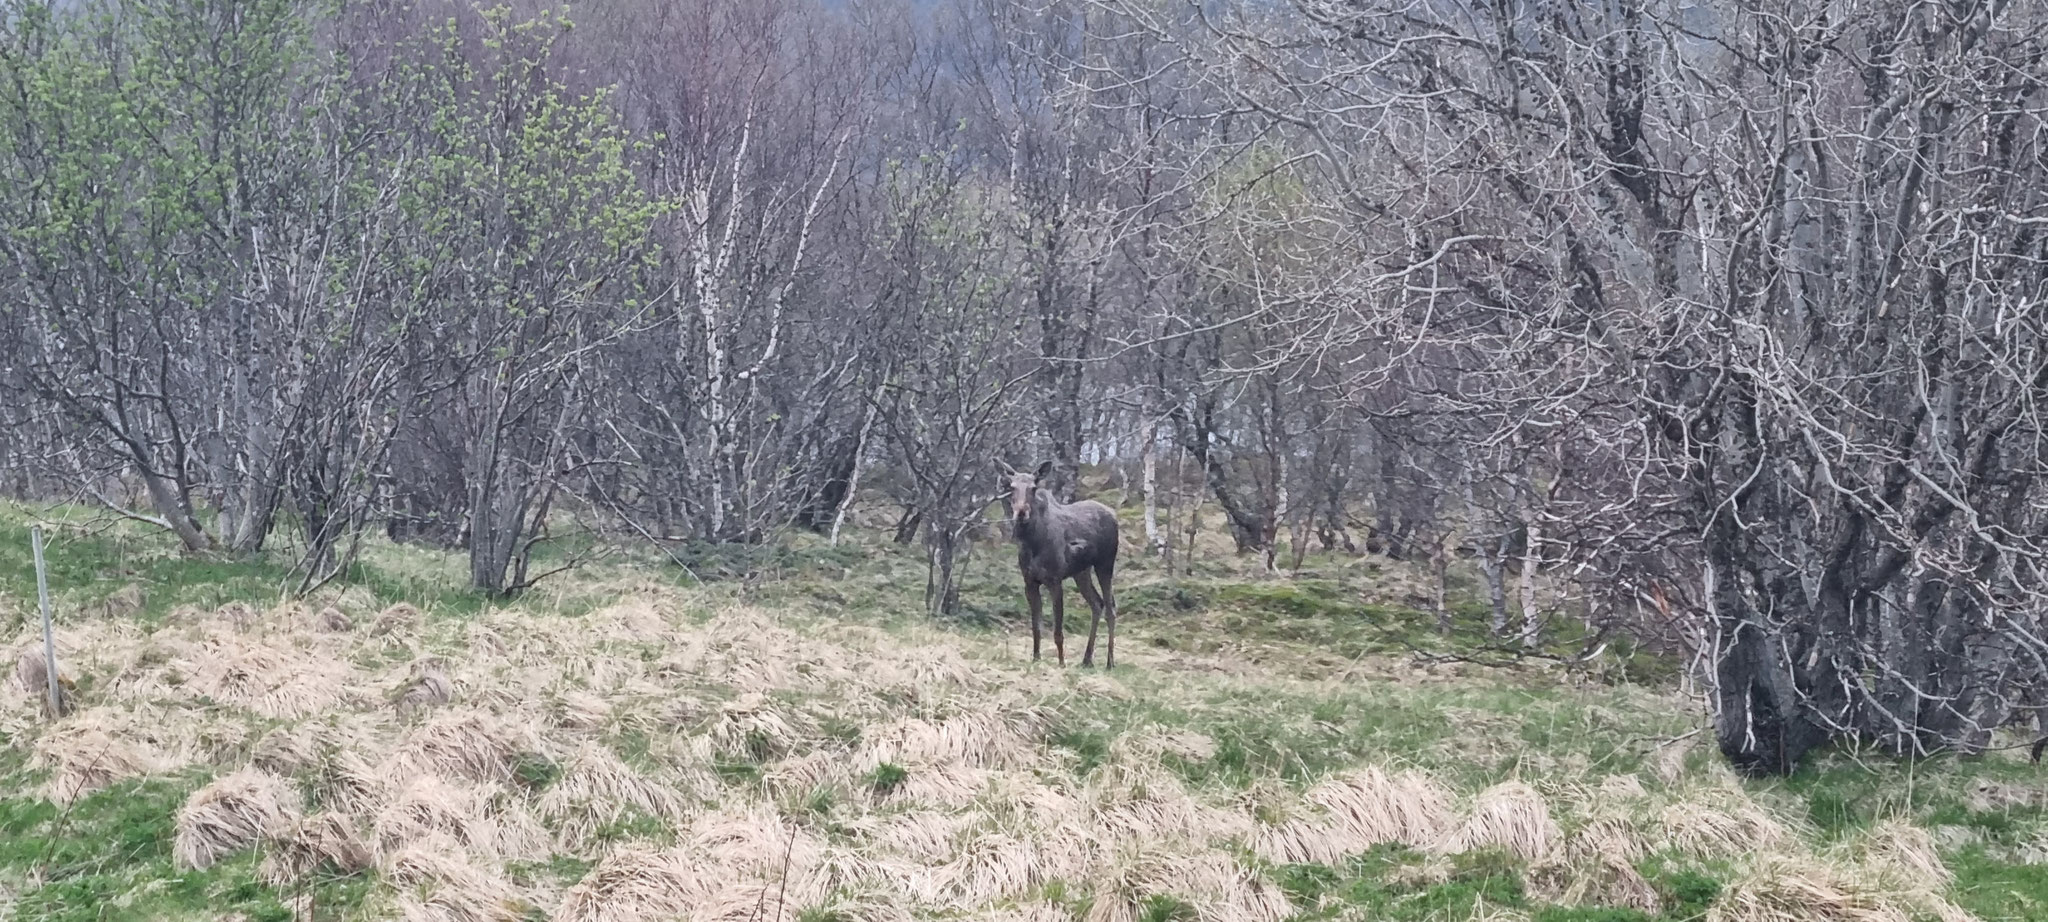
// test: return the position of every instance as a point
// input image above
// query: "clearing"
(804, 746)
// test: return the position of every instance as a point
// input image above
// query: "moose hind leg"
(1059, 621)
(1087, 587)
(1032, 599)
(1105, 572)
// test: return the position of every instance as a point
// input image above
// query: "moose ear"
(1044, 471)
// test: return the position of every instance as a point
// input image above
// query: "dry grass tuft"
(578, 710)
(870, 903)
(333, 621)
(275, 682)
(323, 842)
(1906, 850)
(988, 867)
(947, 785)
(239, 615)
(344, 778)
(287, 750)
(1717, 824)
(1622, 788)
(1601, 881)
(1374, 807)
(924, 837)
(87, 753)
(1186, 744)
(1026, 912)
(632, 618)
(400, 617)
(445, 887)
(597, 789)
(1510, 816)
(124, 602)
(998, 736)
(744, 649)
(1803, 890)
(1217, 887)
(1285, 835)
(1096, 685)
(1597, 866)
(429, 806)
(1668, 763)
(469, 744)
(761, 900)
(752, 727)
(754, 840)
(822, 768)
(32, 673)
(428, 687)
(229, 815)
(1145, 803)
(1351, 813)
(632, 885)
(481, 817)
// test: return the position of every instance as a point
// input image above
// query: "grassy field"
(626, 743)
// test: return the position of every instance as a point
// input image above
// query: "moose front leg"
(1031, 598)
(1059, 621)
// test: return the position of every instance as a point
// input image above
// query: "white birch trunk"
(860, 450)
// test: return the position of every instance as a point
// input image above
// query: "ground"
(802, 744)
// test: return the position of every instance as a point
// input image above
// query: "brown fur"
(1060, 541)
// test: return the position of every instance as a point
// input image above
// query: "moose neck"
(1037, 530)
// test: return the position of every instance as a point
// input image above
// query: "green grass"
(1997, 889)
(886, 778)
(1393, 884)
(108, 857)
(634, 825)
(1389, 883)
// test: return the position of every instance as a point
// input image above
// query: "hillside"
(803, 745)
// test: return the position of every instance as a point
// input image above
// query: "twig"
(1676, 739)
(782, 886)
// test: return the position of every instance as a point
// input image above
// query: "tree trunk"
(1155, 539)
(860, 450)
(1532, 617)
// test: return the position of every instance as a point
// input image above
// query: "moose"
(1059, 541)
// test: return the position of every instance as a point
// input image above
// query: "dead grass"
(729, 770)
(752, 727)
(1905, 850)
(399, 618)
(598, 789)
(272, 681)
(1510, 816)
(1795, 890)
(633, 885)
(1000, 735)
(334, 621)
(1713, 823)
(1146, 803)
(323, 841)
(428, 687)
(32, 676)
(87, 752)
(231, 814)
(442, 885)
(1219, 889)
(463, 743)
